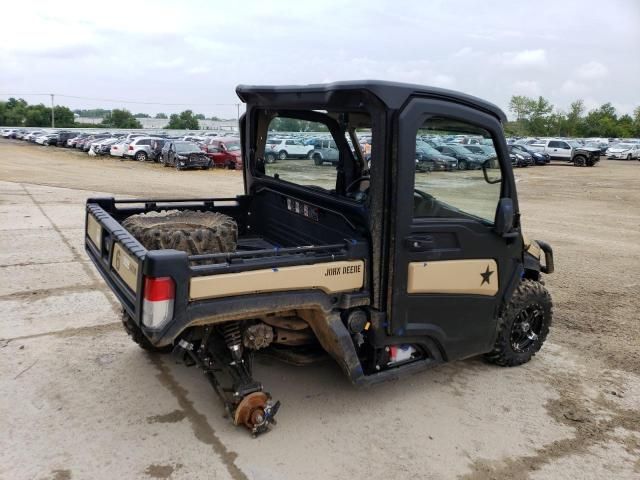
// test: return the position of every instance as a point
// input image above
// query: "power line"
(126, 101)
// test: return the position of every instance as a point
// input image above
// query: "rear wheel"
(282, 155)
(141, 156)
(317, 159)
(462, 165)
(524, 325)
(139, 338)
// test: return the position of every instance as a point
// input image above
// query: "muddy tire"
(139, 338)
(192, 232)
(523, 325)
(579, 161)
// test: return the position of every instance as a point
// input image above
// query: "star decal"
(486, 276)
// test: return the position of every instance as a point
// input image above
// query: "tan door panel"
(476, 277)
(329, 277)
(125, 266)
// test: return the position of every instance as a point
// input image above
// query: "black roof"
(392, 94)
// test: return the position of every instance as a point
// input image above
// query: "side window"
(564, 145)
(464, 186)
(290, 142)
(554, 144)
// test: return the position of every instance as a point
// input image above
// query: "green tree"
(636, 122)
(574, 117)
(521, 106)
(161, 115)
(37, 116)
(199, 116)
(183, 121)
(539, 116)
(120, 119)
(141, 115)
(64, 117)
(12, 113)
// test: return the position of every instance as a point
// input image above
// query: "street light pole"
(53, 115)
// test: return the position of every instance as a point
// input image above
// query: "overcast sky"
(192, 52)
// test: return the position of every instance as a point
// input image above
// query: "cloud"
(524, 59)
(198, 70)
(592, 70)
(463, 52)
(574, 88)
(526, 87)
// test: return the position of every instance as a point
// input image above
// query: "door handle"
(419, 243)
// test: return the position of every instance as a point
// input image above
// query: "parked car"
(9, 133)
(103, 146)
(466, 159)
(224, 152)
(63, 138)
(46, 138)
(156, 149)
(624, 151)
(524, 158)
(140, 148)
(286, 148)
(31, 136)
(72, 142)
(324, 150)
(118, 148)
(429, 158)
(539, 158)
(182, 155)
(94, 138)
(566, 150)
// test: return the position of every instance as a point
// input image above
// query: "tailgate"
(117, 256)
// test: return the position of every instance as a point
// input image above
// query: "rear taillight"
(159, 296)
(130, 147)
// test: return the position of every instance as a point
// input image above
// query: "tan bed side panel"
(329, 277)
(94, 231)
(477, 277)
(125, 265)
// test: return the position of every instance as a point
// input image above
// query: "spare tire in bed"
(193, 232)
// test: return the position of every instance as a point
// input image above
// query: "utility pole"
(53, 115)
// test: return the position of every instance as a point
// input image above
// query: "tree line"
(18, 113)
(538, 117)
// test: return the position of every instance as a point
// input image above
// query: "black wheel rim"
(526, 328)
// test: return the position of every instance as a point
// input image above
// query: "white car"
(140, 148)
(44, 139)
(98, 147)
(31, 137)
(286, 148)
(9, 132)
(118, 148)
(624, 151)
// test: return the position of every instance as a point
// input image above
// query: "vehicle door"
(292, 147)
(455, 250)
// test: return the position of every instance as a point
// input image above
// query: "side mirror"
(491, 170)
(504, 217)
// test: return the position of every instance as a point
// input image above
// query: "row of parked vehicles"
(582, 152)
(433, 152)
(181, 152)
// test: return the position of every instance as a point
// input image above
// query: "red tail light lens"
(159, 289)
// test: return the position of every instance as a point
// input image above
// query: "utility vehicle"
(385, 268)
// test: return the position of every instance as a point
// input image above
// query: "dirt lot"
(79, 400)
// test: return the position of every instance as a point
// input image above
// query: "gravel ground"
(79, 400)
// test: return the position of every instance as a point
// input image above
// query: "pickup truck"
(559, 149)
(313, 262)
